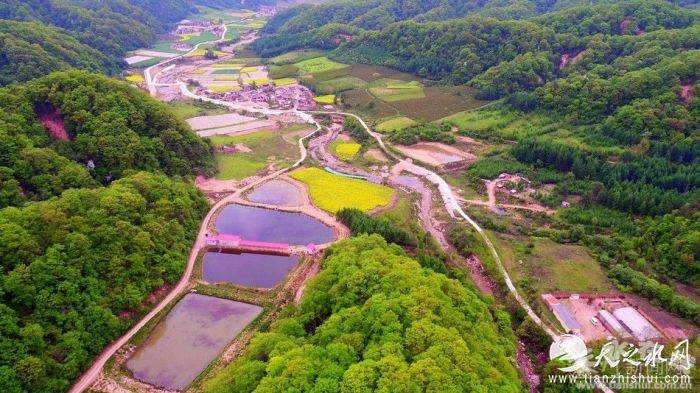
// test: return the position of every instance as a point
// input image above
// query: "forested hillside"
(618, 85)
(85, 234)
(75, 271)
(99, 129)
(74, 30)
(374, 320)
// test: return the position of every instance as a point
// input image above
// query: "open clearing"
(186, 109)
(395, 124)
(131, 60)
(207, 122)
(332, 192)
(295, 56)
(238, 166)
(392, 90)
(197, 38)
(435, 154)
(550, 266)
(267, 145)
(342, 83)
(319, 64)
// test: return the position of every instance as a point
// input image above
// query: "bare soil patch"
(52, 120)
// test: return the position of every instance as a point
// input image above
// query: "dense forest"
(374, 320)
(622, 78)
(90, 221)
(101, 129)
(57, 34)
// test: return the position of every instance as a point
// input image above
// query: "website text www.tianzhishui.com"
(619, 381)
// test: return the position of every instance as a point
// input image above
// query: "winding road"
(449, 200)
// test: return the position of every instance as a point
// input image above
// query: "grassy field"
(395, 124)
(232, 33)
(185, 109)
(284, 81)
(332, 192)
(403, 215)
(392, 90)
(229, 71)
(549, 266)
(201, 51)
(360, 101)
(318, 64)
(285, 71)
(226, 78)
(327, 99)
(295, 56)
(345, 150)
(342, 83)
(147, 63)
(439, 101)
(164, 46)
(265, 145)
(238, 165)
(197, 38)
(371, 73)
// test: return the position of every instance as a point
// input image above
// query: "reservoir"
(182, 345)
(276, 192)
(250, 270)
(266, 225)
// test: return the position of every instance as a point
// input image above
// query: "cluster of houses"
(266, 11)
(197, 26)
(276, 97)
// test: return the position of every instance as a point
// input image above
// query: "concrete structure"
(636, 324)
(223, 240)
(235, 242)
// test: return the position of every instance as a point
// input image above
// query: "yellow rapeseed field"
(327, 99)
(347, 150)
(332, 192)
(136, 78)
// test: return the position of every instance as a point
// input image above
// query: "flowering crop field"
(328, 99)
(347, 150)
(136, 78)
(332, 192)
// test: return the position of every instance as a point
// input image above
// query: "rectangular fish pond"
(250, 270)
(267, 225)
(195, 331)
(276, 192)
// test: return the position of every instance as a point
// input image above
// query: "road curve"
(451, 204)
